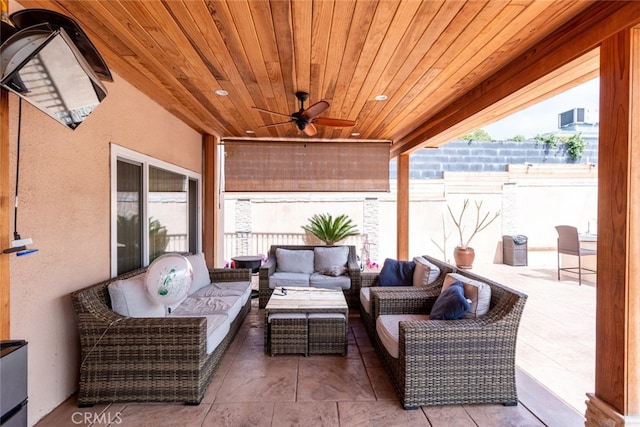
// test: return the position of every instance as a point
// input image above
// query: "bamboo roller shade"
(265, 166)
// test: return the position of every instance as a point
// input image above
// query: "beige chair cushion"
(425, 272)
(365, 299)
(478, 292)
(388, 330)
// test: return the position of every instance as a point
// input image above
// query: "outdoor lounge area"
(250, 387)
(172, 105)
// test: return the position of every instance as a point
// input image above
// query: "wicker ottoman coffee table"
(306, 321)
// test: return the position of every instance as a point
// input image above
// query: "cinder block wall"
(489, 156)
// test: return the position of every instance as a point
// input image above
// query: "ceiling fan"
(306, 119)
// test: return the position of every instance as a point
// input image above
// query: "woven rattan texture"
(327, 336)
(127, 359)
(288, 336)
(451, 362)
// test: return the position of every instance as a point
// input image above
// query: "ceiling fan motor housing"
(299, 120)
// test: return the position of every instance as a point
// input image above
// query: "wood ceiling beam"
(5, 209)
(5, 216)
(569, 43)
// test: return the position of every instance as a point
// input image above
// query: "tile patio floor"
(250, 388)
(556, 340)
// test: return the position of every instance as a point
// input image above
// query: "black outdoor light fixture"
(47, 60)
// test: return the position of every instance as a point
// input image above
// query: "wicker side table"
(327, 333)
(287, 333)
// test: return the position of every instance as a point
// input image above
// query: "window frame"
(119, 153)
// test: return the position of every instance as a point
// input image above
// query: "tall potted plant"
(331, 230)
(463, 254)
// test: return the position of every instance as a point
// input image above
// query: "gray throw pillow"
(294, 261)
(333, 271)
(329, 257)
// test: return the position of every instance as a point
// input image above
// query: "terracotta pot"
(464, 257)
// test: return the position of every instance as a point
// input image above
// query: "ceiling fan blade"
(271, 112)
(275, 124)
(315, 110)
(327, 121)
(310, 130)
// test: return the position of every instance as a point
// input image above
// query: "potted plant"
(463, 254)
(331, 230)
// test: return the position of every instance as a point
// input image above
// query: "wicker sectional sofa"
(150, 359)
(447, 362)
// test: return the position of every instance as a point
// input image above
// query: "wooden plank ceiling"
(423, 55)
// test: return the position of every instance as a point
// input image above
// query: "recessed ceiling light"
(221, 92)
(355, 134)
(380, 97)
(249, 131)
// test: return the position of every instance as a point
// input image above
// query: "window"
(165, 196)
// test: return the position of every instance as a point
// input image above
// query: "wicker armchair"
(269, 267)
(126, 359)
(370, 280)
(453, 361)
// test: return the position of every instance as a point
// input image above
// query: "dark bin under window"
(514, 250)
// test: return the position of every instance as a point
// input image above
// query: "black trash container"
(514, 250)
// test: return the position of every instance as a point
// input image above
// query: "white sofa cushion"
(294, 261)
(172, 307)
(225, 289)
(478, 292)
(425, 272)
(129, 298)
(388, 330)
(318, 280)
(200, 272)
(365, 299)
(285, 279)
(216, 290)
(244, 286)
(218, 326)
(198, 307)
(326, 259)
(240, 286)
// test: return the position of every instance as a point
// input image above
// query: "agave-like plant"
(331, 230)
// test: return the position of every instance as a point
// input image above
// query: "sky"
(543, 117)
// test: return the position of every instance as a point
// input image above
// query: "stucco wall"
(65, 194)
(531, 200)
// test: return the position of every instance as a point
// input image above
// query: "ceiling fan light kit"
(306, 119)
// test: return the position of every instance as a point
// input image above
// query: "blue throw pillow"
(451, 304)
(396, 273)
